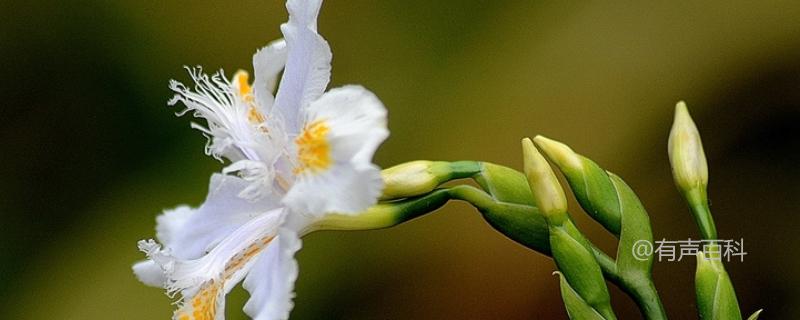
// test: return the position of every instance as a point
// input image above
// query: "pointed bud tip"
(561, 154)
(411, 179)
(682, 116)
(685, 149)
(530, 155)
(547, 192)
(755, 315)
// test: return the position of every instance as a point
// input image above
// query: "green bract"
(510, 208)
(571, 252)
(577, 308)
(590, 184)
(716, 299)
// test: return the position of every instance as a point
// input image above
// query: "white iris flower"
(299, 155)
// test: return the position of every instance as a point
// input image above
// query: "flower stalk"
(571, 250)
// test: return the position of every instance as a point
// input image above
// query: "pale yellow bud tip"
(561, 154)
(411, 179)
(686, 155)
(547, 192)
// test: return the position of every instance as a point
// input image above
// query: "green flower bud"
(547, 192)
(571, 251)
(592, 186)
(716, 299)
(610, 201)
(689, 168)
(419, 177)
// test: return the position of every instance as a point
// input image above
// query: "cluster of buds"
(530, 207)
(583, 286)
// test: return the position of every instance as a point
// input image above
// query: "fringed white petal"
(231, 131)
(304, 13)
(223, 212)
(267, 64)
(203, 282)
(342, 178)
(271, 280)
(259, 175)
(308, 65)
(168, 225)
(150, 273)
(171, 222)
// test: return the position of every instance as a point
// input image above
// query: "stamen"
(230, 110)
(241, 80)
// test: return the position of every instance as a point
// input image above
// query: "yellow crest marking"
(203, 306)
(313, 149)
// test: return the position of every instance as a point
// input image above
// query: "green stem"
(640, 288)
(698, 203)
(388, 214)
(464, 169)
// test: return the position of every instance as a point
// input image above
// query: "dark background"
(90, 153)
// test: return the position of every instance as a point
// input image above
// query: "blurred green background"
(90, 153)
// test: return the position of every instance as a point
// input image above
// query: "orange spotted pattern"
(313, 149)
(203, 306)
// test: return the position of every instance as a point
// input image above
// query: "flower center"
(313, 149)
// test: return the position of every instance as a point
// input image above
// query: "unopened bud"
(420, 177)
(547, 192)
(689, 168)
(686, 155)
(591, 184)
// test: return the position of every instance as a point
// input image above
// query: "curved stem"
(387, 214)
(640, 288)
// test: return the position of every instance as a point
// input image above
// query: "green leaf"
(577, 308)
